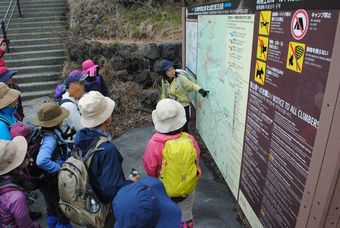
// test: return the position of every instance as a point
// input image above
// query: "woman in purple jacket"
(14, 211)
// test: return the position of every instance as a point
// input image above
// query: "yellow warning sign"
(264, 26)
(260, 72)
(262, 48)
(296, 54)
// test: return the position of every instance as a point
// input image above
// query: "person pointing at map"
(177, 87)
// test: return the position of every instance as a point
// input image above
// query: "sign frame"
(325, 165)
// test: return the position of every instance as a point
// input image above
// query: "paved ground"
(31, 107)
(213, 204)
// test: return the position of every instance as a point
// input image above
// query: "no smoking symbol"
(299, 25)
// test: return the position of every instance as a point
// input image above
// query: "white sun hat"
(168, 116)
(12, 154)
(95, 109)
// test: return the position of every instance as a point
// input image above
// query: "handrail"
(9, 12)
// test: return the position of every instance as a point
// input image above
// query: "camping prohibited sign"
(300, 24)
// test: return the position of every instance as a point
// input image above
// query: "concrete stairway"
(36, 49)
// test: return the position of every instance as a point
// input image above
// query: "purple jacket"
(14, 210)
(96, 84)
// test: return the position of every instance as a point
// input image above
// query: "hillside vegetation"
(130, 20)
(110, 32)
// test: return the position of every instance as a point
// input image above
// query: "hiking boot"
(35, 215)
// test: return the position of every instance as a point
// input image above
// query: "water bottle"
(133, 173)
(94, 207)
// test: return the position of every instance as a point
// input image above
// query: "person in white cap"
(173, 156)
(14, 211)
(105, 171)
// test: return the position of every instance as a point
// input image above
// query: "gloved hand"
(203, 92)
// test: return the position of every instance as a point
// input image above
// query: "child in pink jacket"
(169, 119)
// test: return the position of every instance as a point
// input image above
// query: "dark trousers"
(49, 189)
(187, 115)
(109, 221)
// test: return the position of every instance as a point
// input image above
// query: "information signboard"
(292, 51)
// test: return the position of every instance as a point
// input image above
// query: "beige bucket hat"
(50, 115)
(168, 116)
(7, 95)
(12, 154)
(95, 109)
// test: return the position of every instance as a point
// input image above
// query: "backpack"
(93, 83)
(6, 122)
(180, 171)
(77, 199)
(33, 175)
(183, 73)
(60, 89)
(8, 187)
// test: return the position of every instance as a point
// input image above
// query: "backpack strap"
(62, 101)
(8, 188)
(88, 158)
(5, 121)
(180, 86)
(61, 146)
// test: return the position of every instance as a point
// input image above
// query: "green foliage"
(141, 22)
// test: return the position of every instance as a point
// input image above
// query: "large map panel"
(223, 67)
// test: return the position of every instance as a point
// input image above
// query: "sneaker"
(188, 224)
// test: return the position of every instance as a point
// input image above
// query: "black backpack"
(33, 175)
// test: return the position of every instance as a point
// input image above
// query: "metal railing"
(8, 16)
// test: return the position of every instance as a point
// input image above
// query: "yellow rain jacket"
(177, 92)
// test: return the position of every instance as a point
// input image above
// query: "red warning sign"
(300, 24)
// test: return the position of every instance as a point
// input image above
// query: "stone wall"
(138, 63)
